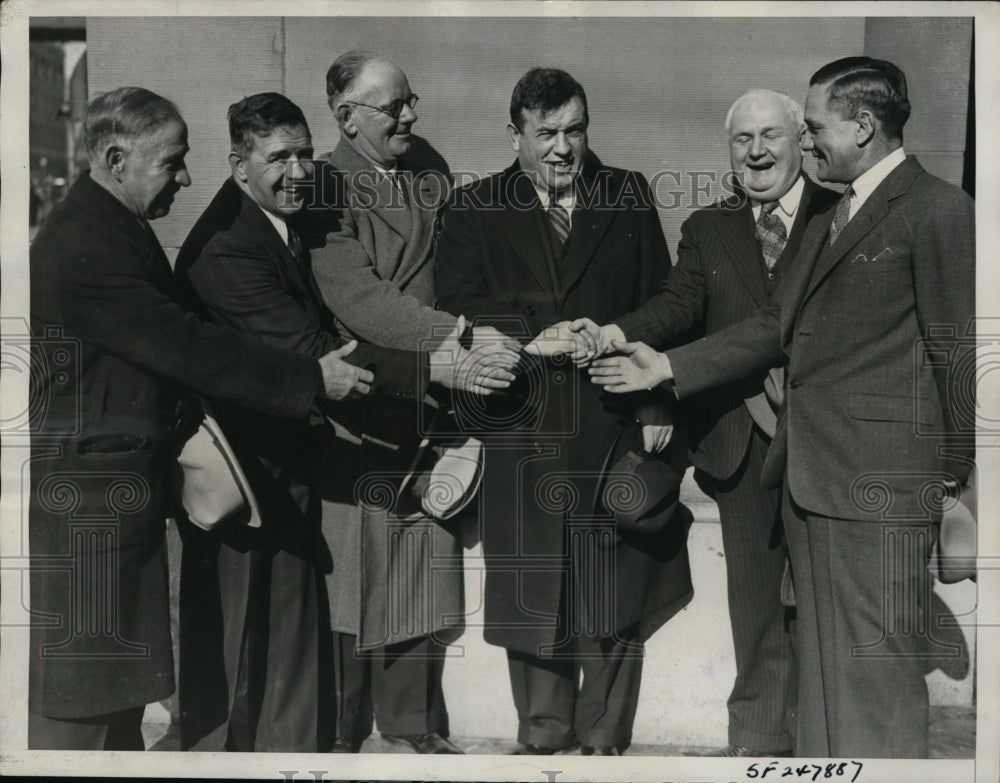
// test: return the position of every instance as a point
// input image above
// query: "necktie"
(398, 181)
(771, 233)
(842, 215)
(295, 244)
(559, 218)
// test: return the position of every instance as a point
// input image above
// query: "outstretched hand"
(637, 367)
(574, 339)
(342, 380)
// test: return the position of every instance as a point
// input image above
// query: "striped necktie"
(771, 233)
(842, 215)
(559, 218)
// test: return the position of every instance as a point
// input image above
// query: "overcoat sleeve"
(106, 294)
(352, 288)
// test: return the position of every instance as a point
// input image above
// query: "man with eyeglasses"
(254, 683)
(388, 606)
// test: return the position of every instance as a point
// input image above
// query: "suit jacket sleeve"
(680, 304)
(729, 355)
(106, 295)
(241, 288)
(369, 306)
(944, 279)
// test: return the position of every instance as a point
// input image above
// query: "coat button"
(529, 311)
(770, 275)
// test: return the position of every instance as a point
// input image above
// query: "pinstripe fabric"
(755, 559)
(720, 279)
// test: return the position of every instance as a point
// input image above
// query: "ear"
(866, 126)
(114, 158)
(238, 165)
(514, 135)
(345, 119)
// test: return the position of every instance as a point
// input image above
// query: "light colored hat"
(214, 487)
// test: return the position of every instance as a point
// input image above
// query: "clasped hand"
(484, 368)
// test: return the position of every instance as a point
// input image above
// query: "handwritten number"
(858, 772)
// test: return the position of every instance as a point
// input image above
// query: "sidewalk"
(952, 736)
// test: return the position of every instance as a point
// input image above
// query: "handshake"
(488, 364)
(483, 368)
(612, 362)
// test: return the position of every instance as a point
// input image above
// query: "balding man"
(875, 427)
(114, 345)
(376, 272)
(731, 259)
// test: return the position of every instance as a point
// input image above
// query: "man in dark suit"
(248, 268)
(874, 427)
(556, 236)
(731, 259)
(114, 344)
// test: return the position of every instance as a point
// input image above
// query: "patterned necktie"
(842, 215)
(771, 233)
(295, 244)
(559, 218)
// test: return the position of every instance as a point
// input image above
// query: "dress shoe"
(431, 742)
(342, 745)
(600, 750)
(527, 749)
(738, 751)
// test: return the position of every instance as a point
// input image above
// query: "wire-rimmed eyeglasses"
(394, 109)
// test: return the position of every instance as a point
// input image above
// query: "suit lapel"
(294, 271)
(872, 212)
(739, 239)
(519, 224)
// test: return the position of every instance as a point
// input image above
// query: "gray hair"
(792, 107)
(124, 116)
(344, 72)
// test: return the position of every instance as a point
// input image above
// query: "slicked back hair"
(260, 115)
(856, 83)
(124, 116)
(544, 89)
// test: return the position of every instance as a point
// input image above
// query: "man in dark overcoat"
(114, 345)
(563, 592)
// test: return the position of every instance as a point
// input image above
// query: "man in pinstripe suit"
(731, 259)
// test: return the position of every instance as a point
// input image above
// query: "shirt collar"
(279, 224)
(864, 185)
(789, 203)
(566, 199)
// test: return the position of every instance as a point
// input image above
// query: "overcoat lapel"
(591, 221)
(519, 224)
